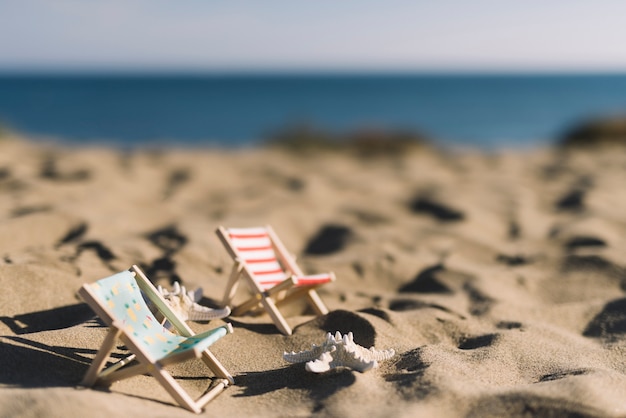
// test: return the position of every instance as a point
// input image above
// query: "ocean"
(487, 111)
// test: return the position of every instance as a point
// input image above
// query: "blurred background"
(487, 74)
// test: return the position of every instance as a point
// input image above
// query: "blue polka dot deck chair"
(118, 301)
(272, 275)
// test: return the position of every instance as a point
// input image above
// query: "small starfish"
(184, 304)
(339, 351)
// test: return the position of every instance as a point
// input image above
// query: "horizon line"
(286, 71)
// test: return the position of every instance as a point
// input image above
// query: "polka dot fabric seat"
(122, 296)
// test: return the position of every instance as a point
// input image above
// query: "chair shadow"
(259, 328)
(28, 363)
(49, 319)
(210, 302)
(319, 387)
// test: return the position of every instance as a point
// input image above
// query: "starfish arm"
(359, 364)
(373, 354)
(303, 356)
(347, 356)
(321, 365)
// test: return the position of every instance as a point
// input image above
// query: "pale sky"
(244, 35)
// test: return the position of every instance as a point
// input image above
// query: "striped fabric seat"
(254, 247)
(313, 279)
(274, 277)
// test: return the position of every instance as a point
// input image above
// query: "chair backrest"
(254, 247)
(120, 296)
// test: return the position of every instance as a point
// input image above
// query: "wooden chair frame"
(269, 299)
(98, 374)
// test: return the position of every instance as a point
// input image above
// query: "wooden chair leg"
(276, 316)
(304, 292)
(216, 367)
(233, 283)
(174, 389)
(312, 297)
(316, 302)
(246, 306)
(211, 394)
(252, 303)
(101, 357)
(125, 373)
(172, 386)
(181, 396)
(121, 363)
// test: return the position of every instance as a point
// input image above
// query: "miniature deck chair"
(271, 273)
(118, 301)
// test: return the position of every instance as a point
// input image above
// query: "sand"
(498, 278)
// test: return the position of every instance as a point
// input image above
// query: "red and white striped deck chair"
(271, 273)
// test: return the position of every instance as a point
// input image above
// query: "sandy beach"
(498, 278)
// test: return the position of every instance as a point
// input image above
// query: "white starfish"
(184, 304)
(339, 351)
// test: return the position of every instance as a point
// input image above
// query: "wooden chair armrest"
(286, 284)
(155, 297)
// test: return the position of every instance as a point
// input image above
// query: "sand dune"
(498, 279)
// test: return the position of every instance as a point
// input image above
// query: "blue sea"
(487, 111)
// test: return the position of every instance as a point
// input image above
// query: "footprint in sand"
(573, 201)
(344, 322)
(74, 234)
(401, 305)
(563, 375)
(473, 343)
(610, 323)
(425, 205)
(427, 281)
(513, 260)
(175, 180)
(49, 171)
(584, 242)
(329, 239)
(168, 238)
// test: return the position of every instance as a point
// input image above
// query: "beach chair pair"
(259, 258)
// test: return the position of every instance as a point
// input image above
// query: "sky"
(320, 35)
